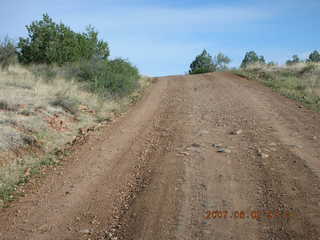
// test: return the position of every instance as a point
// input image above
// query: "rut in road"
(155, 174)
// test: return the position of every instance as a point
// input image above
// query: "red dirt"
(154, 174)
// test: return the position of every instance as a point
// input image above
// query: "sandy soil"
(157, 173)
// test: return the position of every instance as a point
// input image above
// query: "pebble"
(263, 155)
(203, 132)
(185, 153)
(295, 146)
(314, 138)
(223, 150)
(236, 132)
(85, 231)
(195, 145)
(216, 145)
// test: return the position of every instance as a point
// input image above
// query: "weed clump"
(68, 103)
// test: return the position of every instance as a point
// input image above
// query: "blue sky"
(163, 37)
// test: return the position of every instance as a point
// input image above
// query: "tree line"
(205, 63)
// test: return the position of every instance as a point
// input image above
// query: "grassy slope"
(300, 82)
(37, 117)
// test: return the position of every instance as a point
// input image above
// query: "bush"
(57, 51)
(309, 68)
(272, 64)
(221, 61)
(252, 58)
(69, 104)
(44, 71)
(121, 77)
(116, 77)
(295, 59)
(49, 43)
(314, 57)
(202, 64)
(7, 53)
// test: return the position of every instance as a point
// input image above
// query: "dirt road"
(157, 173)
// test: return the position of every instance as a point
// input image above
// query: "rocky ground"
(211, 156)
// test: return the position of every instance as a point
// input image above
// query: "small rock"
(185, 153)
(263, 155)
(272, 144)
(195, 145)
(203, 132)
(224, 150)
(43, 228)
(295, 146)
(85, 231)
(236, 132)
(314, 138)
(216, 145)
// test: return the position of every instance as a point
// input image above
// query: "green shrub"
(314, 57)
(295, 59)
(69, 104)
(54, 50)
(121, 77)
(221, 61)
(7, 53)
(116, 77)
(272, 64)
(309, 68)
(202, 64)
(104, 77)
(252, 58)
(48, 43)
(44, 71)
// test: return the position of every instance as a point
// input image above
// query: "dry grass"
(31, 102)
(299, 81)
(49, 113)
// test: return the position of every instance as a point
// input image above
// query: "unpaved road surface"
(156, 173)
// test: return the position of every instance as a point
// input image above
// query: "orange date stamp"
(256, 214)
